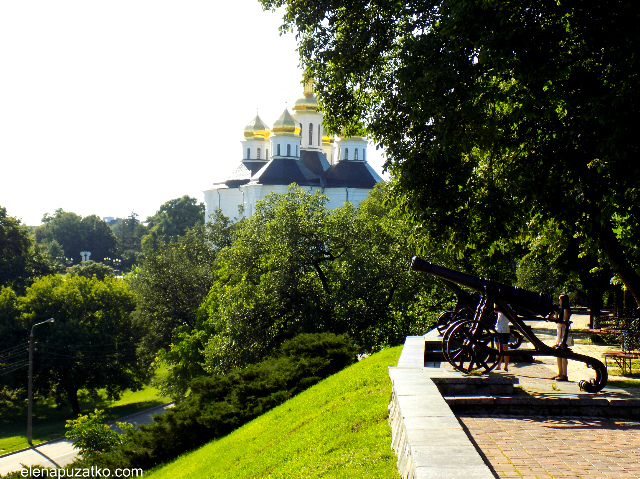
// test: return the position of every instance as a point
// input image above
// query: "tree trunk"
(72, 393)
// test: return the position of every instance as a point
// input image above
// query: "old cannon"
(465, 308)
(470, 343)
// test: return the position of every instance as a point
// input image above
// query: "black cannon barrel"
(538, 303)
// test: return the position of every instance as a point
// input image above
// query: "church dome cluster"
(296, 149)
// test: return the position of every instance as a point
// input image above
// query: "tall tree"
(172, 220)
(493, 114)
(91, 345)
(296, 267)
(20, 259)
(129, 233)
(172, 280)
(13, 342)
(75, 234)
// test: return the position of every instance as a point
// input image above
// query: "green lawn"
(49, 421)
(337, 428)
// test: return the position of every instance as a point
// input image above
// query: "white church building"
(295, 150)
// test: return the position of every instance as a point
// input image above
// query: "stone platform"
(427, 436)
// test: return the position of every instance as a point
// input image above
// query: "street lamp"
(30, 386)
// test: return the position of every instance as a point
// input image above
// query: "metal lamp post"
(30, 385)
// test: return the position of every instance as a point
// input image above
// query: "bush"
(91, 436)
(219, 404)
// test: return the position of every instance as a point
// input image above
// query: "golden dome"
(308, 102)
(327, 140)
(286, 124)
(257, 129)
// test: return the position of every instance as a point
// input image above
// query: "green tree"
(75, 234)
(88, 269)
(13, 342)
(172, 281)
(91, 345)
(129, 233)
(92, 437)
(296, 267)
(172, 220)
(492, 114)
(21, 261)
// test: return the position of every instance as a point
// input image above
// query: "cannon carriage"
(469, 341)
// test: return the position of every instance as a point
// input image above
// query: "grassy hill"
(337, 428)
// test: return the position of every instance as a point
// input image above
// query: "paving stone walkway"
(539, 447)
(543, 447)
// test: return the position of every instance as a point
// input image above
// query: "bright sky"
(109, 107)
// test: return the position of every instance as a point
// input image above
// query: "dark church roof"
(243, 173)
(284, 171)
(351, 174)
(312, 169)
(315, 161)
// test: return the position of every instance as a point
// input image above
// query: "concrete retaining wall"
(425, 434)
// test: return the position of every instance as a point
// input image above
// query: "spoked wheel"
(444, 319)
(469, 345)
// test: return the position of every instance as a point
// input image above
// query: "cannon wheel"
(446, 318)
(442, 323)
(469, 345)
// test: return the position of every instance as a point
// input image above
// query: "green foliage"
(75, 234)
(296, 267)
(13, 344)
(338, 428)
(492, 114)
(20, 260)
(92, 343)
(91, 436)
(219, 404)
(172, 220)
(88, 269)
(171, 282)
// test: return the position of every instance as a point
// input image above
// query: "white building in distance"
(295, 150)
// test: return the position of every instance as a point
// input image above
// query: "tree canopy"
(171, 282)
(92, 343)
(20, 259)
(172, 220)
(495, 116)
(75, 234)
(296, 267)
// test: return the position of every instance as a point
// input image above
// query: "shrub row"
(219, 404)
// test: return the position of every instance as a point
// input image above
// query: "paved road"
(59, 453)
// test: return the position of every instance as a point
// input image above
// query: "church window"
(266, 156)
(364, 158)
(356, 155)
(310, 134)
(248, 153)
(278, 150)
(346, 153)
(258, 153)
(288, 150)
(296, 150)
(319, 135)
(300, 129)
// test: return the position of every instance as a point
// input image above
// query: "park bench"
(628, 328)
